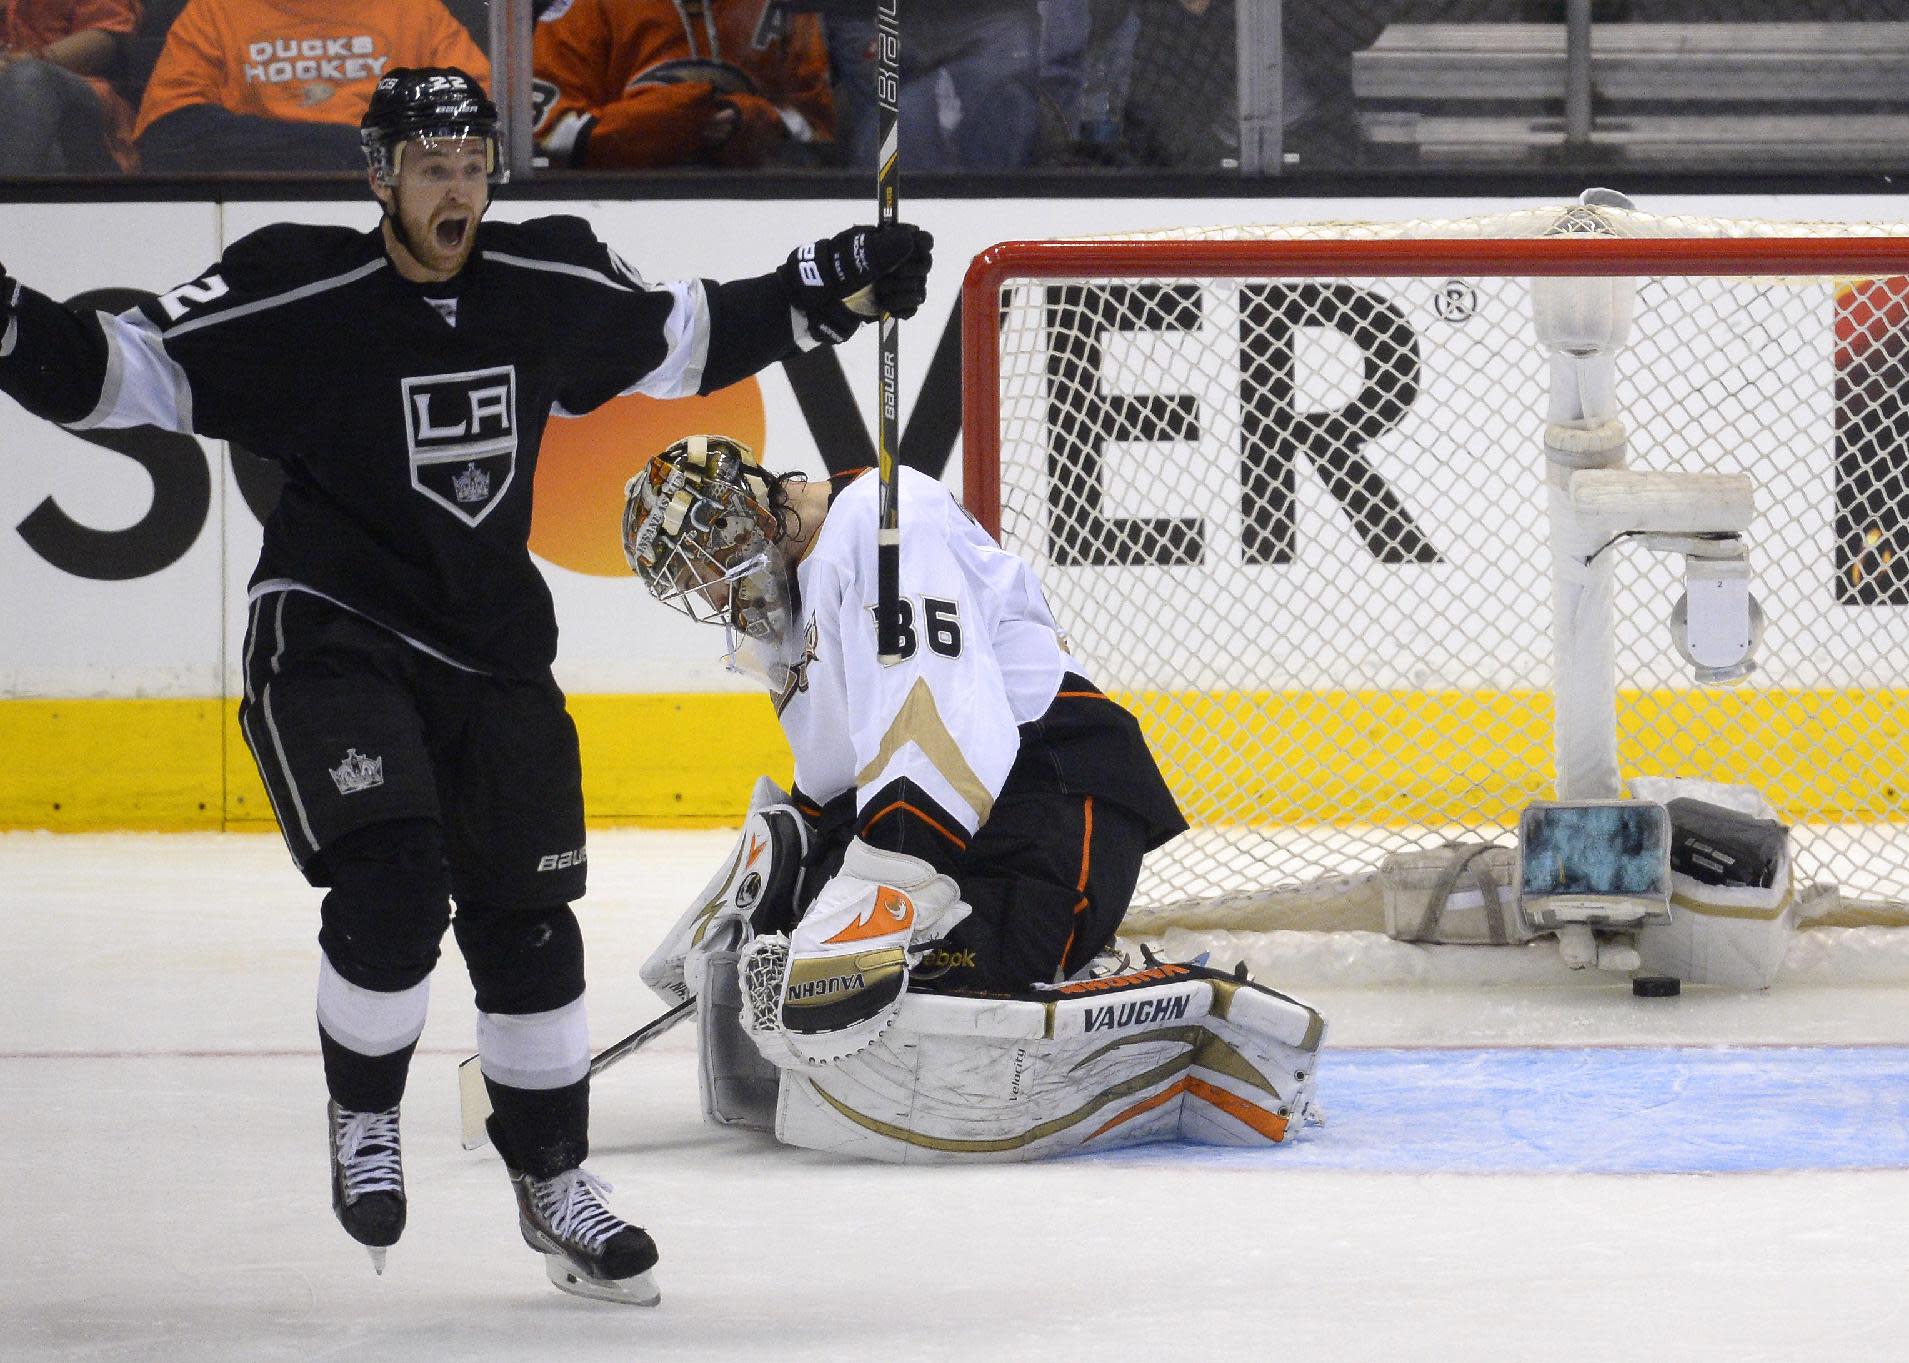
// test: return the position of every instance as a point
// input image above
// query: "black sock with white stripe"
(363, 1083)
(541, 1132)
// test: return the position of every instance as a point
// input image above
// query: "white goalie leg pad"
(764, 866)
(1171, 1053)
(1255, 1078)
(849, 958)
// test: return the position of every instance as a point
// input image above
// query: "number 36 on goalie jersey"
(940, 619)
(980, 656)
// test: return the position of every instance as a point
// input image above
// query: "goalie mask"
(700, 529)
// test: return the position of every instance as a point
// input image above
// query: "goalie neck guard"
(700, 530)
(425, 103)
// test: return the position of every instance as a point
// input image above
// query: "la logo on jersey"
(462, 430)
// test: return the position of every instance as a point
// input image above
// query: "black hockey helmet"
(428, 101)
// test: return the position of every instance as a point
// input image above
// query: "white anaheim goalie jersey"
(981, 656)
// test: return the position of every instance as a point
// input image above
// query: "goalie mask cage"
(1286, 491)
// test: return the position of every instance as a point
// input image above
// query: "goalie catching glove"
(834, 984)
(856, 275)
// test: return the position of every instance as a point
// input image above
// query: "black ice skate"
(367, 1178)
(587, 1248)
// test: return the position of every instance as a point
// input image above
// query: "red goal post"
(1286, 492)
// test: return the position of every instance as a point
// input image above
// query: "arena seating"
(1731, 95)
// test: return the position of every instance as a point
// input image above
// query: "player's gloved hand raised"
(861, 273)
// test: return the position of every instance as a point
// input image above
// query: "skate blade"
(377, 1253)
(638, 1291)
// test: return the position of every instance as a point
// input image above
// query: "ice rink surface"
(1519, 1165)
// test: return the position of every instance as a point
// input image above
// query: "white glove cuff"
(887, 868)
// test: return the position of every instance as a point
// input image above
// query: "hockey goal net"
(1286, 489)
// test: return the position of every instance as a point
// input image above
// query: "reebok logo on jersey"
(284, 60)
(941, 960)
(462, 430)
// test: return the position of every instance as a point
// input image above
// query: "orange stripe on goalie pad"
(1165, 1095)
(1269, 1124)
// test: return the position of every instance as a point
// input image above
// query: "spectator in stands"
(650, 83)
(1086, 63)
(58, 113)
(282, 84)
(1115, 88)
(968, 79)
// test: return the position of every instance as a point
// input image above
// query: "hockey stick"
(888, 623)
(474, 1100)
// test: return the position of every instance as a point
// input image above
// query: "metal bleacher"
(1728, 95)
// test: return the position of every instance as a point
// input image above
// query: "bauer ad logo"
(462, 429)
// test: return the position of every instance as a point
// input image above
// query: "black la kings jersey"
(407, 417)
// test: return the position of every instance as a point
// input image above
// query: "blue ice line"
(1605, 1110)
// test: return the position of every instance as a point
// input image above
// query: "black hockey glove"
(858, 274)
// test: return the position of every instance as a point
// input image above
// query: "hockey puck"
(1656, 986)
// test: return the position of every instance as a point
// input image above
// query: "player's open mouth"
(450, 232)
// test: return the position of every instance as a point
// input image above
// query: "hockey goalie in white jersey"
(903, 957)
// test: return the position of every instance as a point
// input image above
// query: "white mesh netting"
(1299, 524)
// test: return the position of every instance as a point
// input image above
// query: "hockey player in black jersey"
(398, 696)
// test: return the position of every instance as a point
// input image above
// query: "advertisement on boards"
(126, 553)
